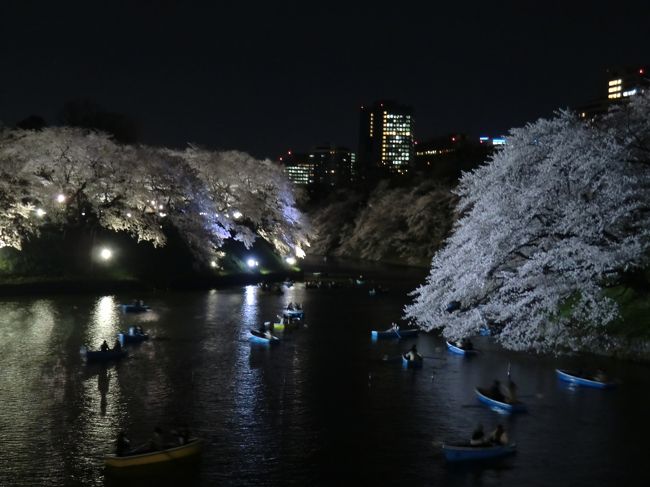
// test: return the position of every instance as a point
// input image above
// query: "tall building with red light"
(620, 85)
(386, 141)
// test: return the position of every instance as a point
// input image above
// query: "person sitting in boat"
(184, 435)
(394, 326)
(600, 376)
(509, 392)
(104, 347)
(117, 346)
(122, 445)
(290, 306)
(478, 436)
(495, 391)
(499, 436)
(466, 344)
(413, 354)
(156, 441)
(131, 330)
(139, 330)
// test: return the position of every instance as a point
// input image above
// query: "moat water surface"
(321, 408)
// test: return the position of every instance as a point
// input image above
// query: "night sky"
(268, 76)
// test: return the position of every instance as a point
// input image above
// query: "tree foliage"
(556, 216)
(403, 224)
(74, 177)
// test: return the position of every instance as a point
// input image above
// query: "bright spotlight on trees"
(290, 260)
(106, 254)
(60, 198)
(236, 214)
(40, 212)
(252, 263)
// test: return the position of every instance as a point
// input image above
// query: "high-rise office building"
(626, 82)
(300, 168)
(620, 84)
(385, 139)
(325, 165)
(334, 166)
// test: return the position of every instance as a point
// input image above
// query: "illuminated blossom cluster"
(557, 215)
(66, 176)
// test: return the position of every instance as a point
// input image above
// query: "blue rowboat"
(99, 356)
(132, 338)
(484, 396)
(460, 351)
(465, 452)
(134, 308)
(294, 313)
(484, 331)
(394, 334)
(258, 337)
(411, 364)
(573, 378)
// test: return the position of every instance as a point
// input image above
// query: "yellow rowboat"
(192, 448)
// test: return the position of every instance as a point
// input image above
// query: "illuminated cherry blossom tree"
(558, 215)
(66, 176)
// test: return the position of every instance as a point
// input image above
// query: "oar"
(397, 333)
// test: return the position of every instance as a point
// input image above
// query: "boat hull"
(569, 377)
(297, 314)
(516, 407)
(463, 453)
(134, 308)
(126, 338)
(256, 337)
(192, 448)
(460, 351)
(390, 334)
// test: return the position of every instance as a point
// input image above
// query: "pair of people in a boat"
(117, 346)
(497, 437)
(413, 355)
(504, 392)
(265, 329)
(155, 443)
(465, 344)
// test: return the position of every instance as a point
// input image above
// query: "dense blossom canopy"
(68, 176)
(557, 215)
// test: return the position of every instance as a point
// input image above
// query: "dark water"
(319, 409)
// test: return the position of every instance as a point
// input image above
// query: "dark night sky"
(264, 78)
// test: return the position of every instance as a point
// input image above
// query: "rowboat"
(259, 337)
(459, 350)
(132, 337)
(412, 364)
(99, 356)
(293, 313)
(134, 308)
(393, 334)
(464, 451)
(484, 396)
(580, 380)
(192, 448)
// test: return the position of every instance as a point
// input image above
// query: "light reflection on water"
(104, 322)
(293, 414)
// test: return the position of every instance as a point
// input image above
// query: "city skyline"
(287, 77)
